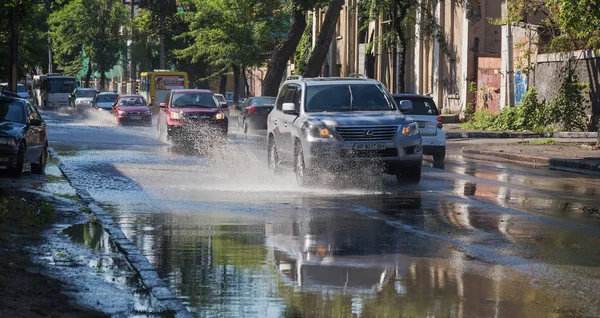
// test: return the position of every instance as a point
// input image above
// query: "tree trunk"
(369, 58)
(236, 84)
(246, 84)
(403, 45)
(88, 74)
(282, 53)
(319, 53)
(223, 84)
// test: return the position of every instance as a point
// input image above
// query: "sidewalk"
(556, 154)
(454, 131)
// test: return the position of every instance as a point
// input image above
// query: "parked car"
(328, 123)
(425, 112)
(224, 105)
(132, 109)
(105, 101)
(188, 112)
(82, 97)
(229, 98)
(21, 90)
(22, 136)
(254, 112)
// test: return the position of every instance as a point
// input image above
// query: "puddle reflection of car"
(22, 137)
(133, 110)
(254, 113)
(191, 113)
(105, 101)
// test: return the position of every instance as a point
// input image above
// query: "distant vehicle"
(155, 86)
(224, 105)
(324, 124)
(425, 112)
(229, 98)
(105, 101)
(132, 109)
(52, 90)
(82, 97)
(190, 113)
(21, 90)
(254, 112)
(22, 136)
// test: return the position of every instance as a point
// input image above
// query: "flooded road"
(231, 240)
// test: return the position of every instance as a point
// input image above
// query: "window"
(32, 113)
(12, 111)
(341, 98)
(281, 97)
(194, 100)
(61, 85)
(263, 101)
(421, 106)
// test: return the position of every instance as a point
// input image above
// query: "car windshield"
(420, 106)
(62, 85)
(220, 98)
(343, 98)
(20, 88)
(132, 101)
(263, 101)
(85, 93)
(193, 100)
(12, 111)
(107, 98)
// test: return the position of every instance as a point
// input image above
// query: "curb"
(573, 165)
(486, 134)
(136, 259)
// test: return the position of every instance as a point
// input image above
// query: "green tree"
(579, 22)
(91, 27)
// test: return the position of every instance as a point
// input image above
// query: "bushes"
(566, 111)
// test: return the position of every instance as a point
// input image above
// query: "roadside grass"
(545, 141)
(51, 178)
(73, 197)
(20, 215)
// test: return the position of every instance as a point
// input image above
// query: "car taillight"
(439, 125)
(251, 110)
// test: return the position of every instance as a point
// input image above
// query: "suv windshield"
(108, 98)
(85, 93)
(193, 100)
(343, 98)
(12, 111)
(421, 106)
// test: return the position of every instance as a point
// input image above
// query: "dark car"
(105, 101)
(254, 112)
(22, 137)
(132, 109)
(191, 113)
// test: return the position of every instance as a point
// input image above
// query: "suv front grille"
(382, 133)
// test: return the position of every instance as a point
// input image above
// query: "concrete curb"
(489, 134)
(573, 165)
(136, 259)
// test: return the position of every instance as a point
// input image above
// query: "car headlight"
(121, 113)
(410, 129)
(176, 115)
(318, 131)
(220, 116)
(8, 141)
(147, 113)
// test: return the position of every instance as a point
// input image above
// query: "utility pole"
(13, 51)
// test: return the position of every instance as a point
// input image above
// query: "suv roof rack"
(356, 75)
(295, 77)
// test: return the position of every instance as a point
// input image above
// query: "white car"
(82, 97)
(224, 104)
(425, 112)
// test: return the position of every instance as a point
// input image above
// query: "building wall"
(488, 82)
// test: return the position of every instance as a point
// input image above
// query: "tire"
(38, 168)
(304, 177)
(439, 157)
(17, 170)
(273, 157)
(409, 176)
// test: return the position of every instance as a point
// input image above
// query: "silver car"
(82, 97)
(327, 123)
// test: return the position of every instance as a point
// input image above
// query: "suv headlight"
(176, 115)
(147, 112)
(318, 131)
(410, 129)
(7, 141)
(121, 113)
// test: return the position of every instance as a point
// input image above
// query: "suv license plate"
(368, 147)
(135, 117)
(421, 124)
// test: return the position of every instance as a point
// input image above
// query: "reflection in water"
(110, 264)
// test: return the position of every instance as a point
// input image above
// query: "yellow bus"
(155, 85)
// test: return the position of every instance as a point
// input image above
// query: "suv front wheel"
(273, 159)
(303, 175)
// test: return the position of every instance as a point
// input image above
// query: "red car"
(191, 111)
(132, 109)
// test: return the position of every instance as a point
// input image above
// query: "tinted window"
(281, 97)
(421, 106)
(194, 100)
(12, 111)
(354, 97)
(107, 98)
(61, 85)
(260, 101)
(85, 93)
(132, 101)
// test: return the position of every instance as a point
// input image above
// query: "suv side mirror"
(289, 108)
(162, 105)
(224, 105)
(406, 106)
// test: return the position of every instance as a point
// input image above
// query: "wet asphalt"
(474, 238)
